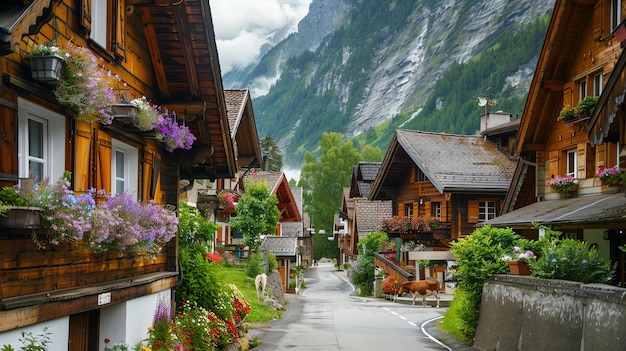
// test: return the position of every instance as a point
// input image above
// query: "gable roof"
(280, 246)
(183, 53)
(545, 97)
(362, 177)
(279, 186)
(243, 128)
(453, 163)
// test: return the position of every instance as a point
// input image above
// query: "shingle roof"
(235, 103)
(369, 215)
(584, 209)
(272, 179)
(458, 162)
(280, 246)
(368, 170)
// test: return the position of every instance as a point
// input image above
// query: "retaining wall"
(526, 313)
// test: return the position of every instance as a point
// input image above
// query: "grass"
(258, 311)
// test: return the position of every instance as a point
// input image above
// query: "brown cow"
(421, 288)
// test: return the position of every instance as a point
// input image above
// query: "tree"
(371, 153)
(323, 179)
(257, 214)
(274, 158)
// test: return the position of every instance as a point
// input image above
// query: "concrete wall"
(525, 313)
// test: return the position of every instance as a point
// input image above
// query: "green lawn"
(258, 311)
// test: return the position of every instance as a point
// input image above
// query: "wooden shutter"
(119, 38)
(444, 211)
(85, 16)
(427, 210)
(554, 164)
(103, 161)
(611, 154)
(8, 137)
(83, 157)
(581, 155)
(146, 181)
(472, 211)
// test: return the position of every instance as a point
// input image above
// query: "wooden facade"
(164, 51)
(581, 57)
(445, 177)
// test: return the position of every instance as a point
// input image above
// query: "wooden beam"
(553, 84)
(120, 292)
(155, 53)
(187, 49)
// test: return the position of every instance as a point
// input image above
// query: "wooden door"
(84, 331)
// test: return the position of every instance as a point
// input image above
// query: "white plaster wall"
(58, 330)
(113, 324)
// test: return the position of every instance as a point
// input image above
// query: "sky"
(243, 26)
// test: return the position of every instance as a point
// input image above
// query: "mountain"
(415, 64)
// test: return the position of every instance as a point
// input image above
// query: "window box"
(22, 217)
(124, 111)
(46, 68)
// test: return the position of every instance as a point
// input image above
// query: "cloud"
(242, 27)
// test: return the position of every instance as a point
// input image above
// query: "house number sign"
(104, 298)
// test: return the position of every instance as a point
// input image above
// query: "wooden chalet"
(458, 179)
(163, 50)
(359, 216)
(289, 229)
(581, 57)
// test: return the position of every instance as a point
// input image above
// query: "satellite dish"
(482, 101)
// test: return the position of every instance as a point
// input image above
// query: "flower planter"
(46, 68)
(518, 268)
(22, 217)
(124, 111)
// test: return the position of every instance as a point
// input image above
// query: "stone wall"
(525, 313)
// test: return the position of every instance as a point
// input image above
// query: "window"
(486, 210)
(570, 163)
(435, 209)
(41, 142)
(419, 175)
(124, 164)
(100, 21)
(597, 84)
(616, 13)
(408, 210)
(582, 89)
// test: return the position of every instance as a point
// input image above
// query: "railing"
(392, 269)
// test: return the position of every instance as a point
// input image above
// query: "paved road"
(326, 317)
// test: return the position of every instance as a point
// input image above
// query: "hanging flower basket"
(124, 111)
(46, 68)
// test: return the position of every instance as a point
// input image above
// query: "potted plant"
(611, 176)
(518, 261)
(563, 184)
(16, 211)
(46, 63)
(585, 107)
(84, 86)
(567, 113)
(174, 136)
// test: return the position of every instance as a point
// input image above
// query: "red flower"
(106, 341)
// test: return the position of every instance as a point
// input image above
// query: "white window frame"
(582, 88)
(54, 140)
(435, 209)
(486, 210)
(597, 84)
(408, 210)
(131, 164)
(616, 13)
(571, 160)
(100, 22)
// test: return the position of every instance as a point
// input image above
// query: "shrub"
(570, 259)
(254, 266)
(478, 258)
(273, 263)
(362, 274)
